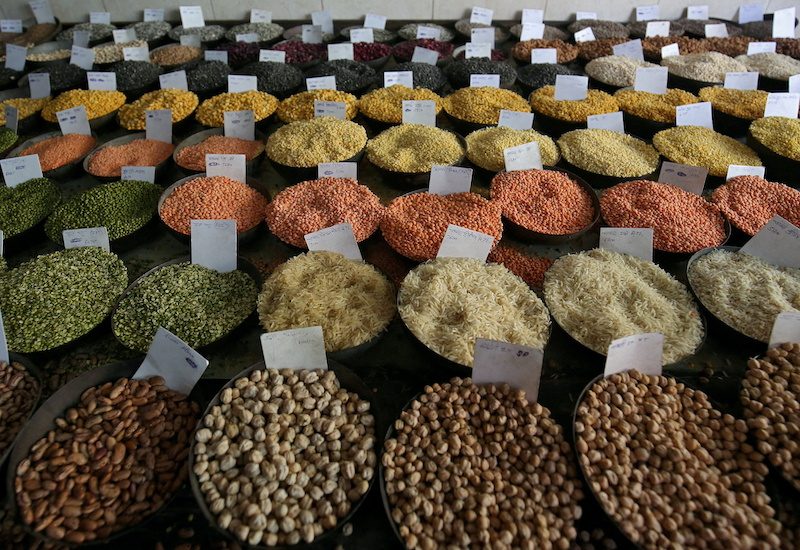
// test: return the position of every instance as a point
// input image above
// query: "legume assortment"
(212, 111)
(654, 107)
(180, 102)
(495, 55)
(697, 27)
(700, 146)
(414, 148)
(549, 33)
(386, 104)
(459, 72)
(97, 103)
(59, 151)
(306, 143)
(749, 202)
(19, 392)
(705, 67)
(300, 106)
(596, 103)
(608, 153)
(651, 47)
(615, 70)
(27, 204)
(53, 55)
(483, 105)
(370, 51)
(193, 157)
(638, 29)
(730, 46)
(379, 35)
(108, 161)
(485, 147)
(565, 52)
(780, 135)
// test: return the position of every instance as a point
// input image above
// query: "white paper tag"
(642, 352)
(80, 39)
(446, 180)
(337, 238)
(296, 349)
(11, 25)
(481, 15)
(480, 49)
(424, 55)
(214, 244)
(321, 83)
(403, 78)
(607, 121)
(484, 81)
(647, 13)
(694, 114)
(335, 109)
(631, 49)
(419, 112)
(482, 36)
(657, 28)
(460, 242)
(783, 23)
(761, 47)
(717, 30)
(174, 80)
(192, 40)
(311, 34)
(584, 35)
(651, 79)
(17, 170)
(174, 360)
(794, 84)
(2, 237)
(158, 124)
(42, 11)
(122, 36)
(248, 37)
(82, 57)
(100, 17)
(636, 242)
(375, 21)
(751, 12)
(532, 16)
(579, 16)
(544, 55)
(240, 124)
(260, 16)
(432, 33)
(153, 14)
(101, 81)
(136, 53)
(86, 236)
(12, 117)
(777, 243)
(670, 50)
(571, 87)
(362, 35)
(697, 12)
(139, 173)
(348, 170)
(735, 170)
(40, 85)
(688, 178)
(3, 342)
(515, 120)
(523, 157)
(323, 20)
(74, 121)
(15, 57)
(276, 56)
(215, 55)
(340, 51)
(230, 166)
(503, 363)
(741, 81)
(192, 16)
(242, 83)
(531, 31)
(782, 104)
(785, 329)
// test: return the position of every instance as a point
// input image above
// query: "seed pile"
(174, 54)
(273, 77)
(108, 161)
(697, 27)
(536, 75)
(19, 393)
(550, 32)
(306, 143)
(465, 26)
(414, 148)
(485, 147)
(459, 72)
(565, 52)
(780, 135)
(700, 146)
(705, 67)
(616, 70)
(425, 75)
(132, 75)
(352, 301)
(596, 103)
(378, 35)
(495, 55)
(207, 76)
(300, 106)
(208, 33)
(27, 204)
(749, 202)
(287, 481)
(212, 111)
(601, 47)
(96, 102)
(7, 136)
(193, 157)
(608, 153)
(651, 47)
(490, 472)
(300, 52)
(601, 28)
(386, 104)
(52, 55)
(771, 65)
(404, 51)
(529, 268)
(111, 53)
(788, 46)
(33, 34)
(63, 76)
(265, 31)
(59, 150)
(97, 31)
(197, 304)
(747, 104)
(483, 105)
(409, 31)
(730, 46)
(180, 102)
(150, 30)
(654, 107)
(25, 105)
(638, 29)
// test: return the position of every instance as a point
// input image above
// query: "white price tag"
(403, 78)
(40, 85)
(419, 112)
(260, 16)
(174, 360)
(647, 13)
(362, 35)
(192, 40)
(694, 114)
(82, 57)
(215, 55)
(20, 169)
(42, 11)
(321, 83)
(174, 80)
(584, 35)
(460, 242)
(323, 20)
(751, 12)
(242, 83)
(502, 363)
(523, 157)
(761, 47)
(12, 117)
(3, 342)
(794, 84)
(480, 15)
(158, 124)
(101, 81)
(607, 121)
(153, 14)
(482, 36)
(192, 16)
(139, 173)
(741, 81)
(214, 244)
(783, 23)
(137, 53)
(642, 352)
(477, 50)
(785, 329)
(735, 170)
(782, 104)
(335, 109)
(229, 166)
(240, 124)
(585, 15)
(688, 178)
(544, 55)
(100, 17)
(276, 56)
(15, 57)
(80, 39)
(1, 242)
(531, 31)
(651, 79)
(296, 349)
(657, 28)
(697, 12)
(424, 55)
(340, 51)
(86, 236)
(571, 87)
(670, 50)
(337, 238)
(11, 25)
(717, 30)
(312, 34)
(248, 37)
(636, 242)
(432, 33)
(777, 243)
(446, 180)
(347, 170)
(532, 16)
(484, 81)
(375, 21)
(515, 120)
(122, 36)
(74, 121)
(631, 48)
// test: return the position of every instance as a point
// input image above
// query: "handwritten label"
(424, 55)
(174, 80)
(642, 352)
(340, 51)
(482, 36)
(446, 180)
(647, 13)
(636, 242)
(481, 15)
(532, 16)
(323, 20)
(215, 55)
(518, 366)
(158, 125)
(337, 238)
(17, 170)
(240, 124)
(276, 56)
(242, 83)
(581, 15)
(785, 329)
(230, 166)
(174, 360)
(214, 244)
(584, 35)
(735, 170)
(260, 16)
(741, 81)
(434, 33)
(100, 17)
(607, 121)
(321, 83)
(362, 35)
(3, 342)
(192, 16)
(40, 85)
(139, 173)
(782, 104)
(375, 21)
(631, 49)
(74, 121)
(192, 40)
(670, 50)
(248, 37)
(460, 242)
(751, 12)
(403, 78)
(122, 36)
(761, 47)
(335, 109)
(697, 12)
(82, 57)
(101, 81)
(11, 25)
(523, 157)
(651, 79)
(136, 53)
(778, 243)
(694, 114)
(86, 236)
(480, 49)
(42, 11)
(15, 57)
(419, 112)
(571, 87)
(311, 34)
(544, 55)
(484, 80)
(348, 170)
(515, 120)
(153, 14)
(783, 23)
(688, 178)
(657, 28)
(717, 30)
(296, 349)
(531, 31)
(12, 117)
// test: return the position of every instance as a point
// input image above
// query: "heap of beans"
(52, 55)
(121, 207)
(366, 51)
(97, 31)
(265, 31)
(414, 148)
(208, 33)
(240, 53)
(771, 65)
(19, 393)
(596, 103)
(8, 137)
(307, 143)
(409, 31)
(150, 30)
(485, 147)
(593, 49)
(133, 75)
(747, 104)
(494, 55)
(550, 32)
(313, 205)
(111, 53)
(386, 104)
(615, 70)
(700, 146)
(647, 438)
(536, 75)
(207, 76)
(749, 202)
(529, 268)
(108, 161)
(273, 77)
(33, 34)
(651, 47)
(213, 198)
(180, 102)
(59, 151)
(483, 105)
(780, 135)
(654, 107)
(212, 111)
(351, 76)
(425, 75)
(730, 46)
(64, 76)
(414, 225)
(135, 431)
(97, 103)
(404, 51)
(56, 298)
(601, 29)
(459, 72)
(27, 204)
(462, 498)
(378, 35)
(175, 54)
(638, 29)
(788, 46)
(608, 153)
(705, 67)
(193, 157)
(681, 221)
(301, 52)
(565, 52)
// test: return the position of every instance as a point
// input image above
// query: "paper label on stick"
(74, 121)
(631, 49)
(480, 49)
(121, 36)
(670, 50)
(531, 31)
(42, 11)
(40, 85)
(484, 81)
(515, 120)
(192, 16)
(296, 349)
(242, 83)
(751, 12)
(139, 173)
(240, 124)
(688, 178)
(248, 37)
(340, 51)
(717, 30)
(86, 236)
(214, 244)
(571, 87)
(153, 14)
(15, 57)
(215, 55)
(174, 360)
(584, 35)
(503, 363)
(20, 169)
(348, 170)
(636, 242)
(782, 104)
(403, 78)
(230, 166)
(777, 243)
(276, 56)
(421, 111)
(3, 342)
(323, 20)
(532, 16)
(260, 16)
(647, 13)
(761, 47)
(785, 329)
(446, 180)
(783, 23)
(12, 117)
(694, 114)
(192, 40)
(335, 109)
(375, 21)
(482, 36)
(433, 33)
(101, 81)
(158, 125)
(175, 80)
(321, 83)
(642, 352)
(607, 121)
(544, 55)
(337, 238)
(523, 157)
(735, 170)
(741, 81)
(362, 35)
(460, 242)
(424, 55)
(82, 57)
(697, 12)
(651, 79)
(311, 34)
(137, 53)
(100, 17)
(481, 15)
(657, 28)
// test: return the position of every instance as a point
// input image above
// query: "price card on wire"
(403, 78)
(484, 81)
(419, 112)
(785, 329)
(751, 12)
(158, 125)
(642, 352)
(483, 36)
(139, 173)
(192, 17)
(242, 83)
(214, 244)
(761, 47)
(215, 55)
(571, 87)
(716, 30)
(584, 35)
(374, 21)
(777, 243)
(694, 114)
(670, 50)
(276, 56)
(297, 349)
(230, 166)
(531, 31)
(311, 34)
(532, 16)
(39, 84)
(347, 170)
(424, 55)
(741, 81)
(153, 14)
(175, 80)
(636, 242)
(783, 23)
(631, 49)
(433, 33)
(697, 12)
(42, 11)
(340, 51)
(321, 83)
(688, 178)
(3, 342)
(80, 39)
(192, 40)
(335, 109)
(651, 79)
(460, 242)
(82, 57)
(518, 366)
(523, 157)
(446, 180)
(735, 170)
(260, 16)
(12, 117)
(337, 238)
(101, 80)
(86, 236)
(100, 17)
(362, 35)
(657, 28)
(647, 13)
(544, 55)
(782, 104)
(481, 49)
(74, 121)
(607, 121)
(16, 57)
(121, 36)
(240, 124)
(323, 20)
(20, 169)
(11, 25)
(482, 16)
(174, 360)
(515, 120)
(136, 53)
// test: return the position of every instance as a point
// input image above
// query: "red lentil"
(316, 204)
(193, 157)
(749, 202)
(404, 51)
(108, 161)
(681, 221)
(527, 267)
(544, 201)
(214, 198)
(301, 52)
(414, 225)
(60, 150)
(369, 51)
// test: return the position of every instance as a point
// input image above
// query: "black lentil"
(265, 31)
(275, 78)
(151, 30)
(536, 75)
(97, 31)
(458, 72)
(27, 204)
(135, 74)
(240, 53)
(350, 75)
(209, 33)
(63, 77)
(206, 76)
(425, 75)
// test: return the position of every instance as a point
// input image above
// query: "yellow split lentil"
(300, 106)
(386, 104)
(483, 105)
(212, 111)
(306, 143)
(608, 153)
(25, 105)
(747, 104)
(655, 107)
(699, 146)
(180, 102)
(96, 102)
(778, 134)
(596, 103)
(414, 148)
(485, 146)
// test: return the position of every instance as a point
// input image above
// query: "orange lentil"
(60, 150)
(414, 225)
(193, 157)
(316, 204)
(108, 161)
(214, 198)
(749, 202)
(544, 201)
(681, 221)
(528, 267)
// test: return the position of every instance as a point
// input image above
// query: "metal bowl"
(24, 125)
(415, 180)
(160, 167)
(56, 173)
(199, 137)
(37, 375)
(730, 125)
(465, 127)
(294, 174)
(48, 47)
